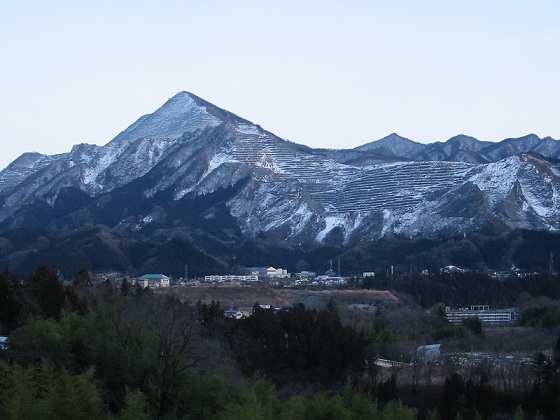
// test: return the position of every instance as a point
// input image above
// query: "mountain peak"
(393, 145)
(222, 114)
(182, 113)
(28, 160)
(394, 136)
(464, 142)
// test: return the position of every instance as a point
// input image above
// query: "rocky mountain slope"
(153, 177)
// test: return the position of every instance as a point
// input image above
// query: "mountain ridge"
(265, 186)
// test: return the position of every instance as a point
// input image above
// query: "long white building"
(231, 277)
(482, 312)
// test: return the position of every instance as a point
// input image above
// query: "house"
(153, 280)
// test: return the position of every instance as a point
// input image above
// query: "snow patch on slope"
(216, 161)
(300, 219)
(330, 223)
(540, 191)
(347, 222)
(249, 129)
(268, 162)
(497, 179)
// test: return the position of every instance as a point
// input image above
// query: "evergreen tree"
(82, 278)
(10, 308)
(46, 293)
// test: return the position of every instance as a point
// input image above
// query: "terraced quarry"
(343, 188)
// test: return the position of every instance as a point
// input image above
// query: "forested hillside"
(95, 351)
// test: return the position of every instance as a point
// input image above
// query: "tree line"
(460, 289)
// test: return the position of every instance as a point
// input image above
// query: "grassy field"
(242, 296)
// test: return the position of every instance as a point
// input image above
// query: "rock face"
(189, 150)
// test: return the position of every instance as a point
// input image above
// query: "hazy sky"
(322, 73)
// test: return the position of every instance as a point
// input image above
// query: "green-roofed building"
(154, 280)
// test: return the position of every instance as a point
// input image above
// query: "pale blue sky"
(322, 73)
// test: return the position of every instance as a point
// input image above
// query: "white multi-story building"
(482, 312)
(231, 278)
(269, 272)
(277, 273)
(152, 280)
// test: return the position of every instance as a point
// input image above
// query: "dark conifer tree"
(10, 309)
(46, 292)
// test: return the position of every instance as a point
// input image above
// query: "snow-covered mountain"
(190, 149)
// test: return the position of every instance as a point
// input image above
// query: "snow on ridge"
(27, 160)
(178, 115)
(247, 129)
(106, 156)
